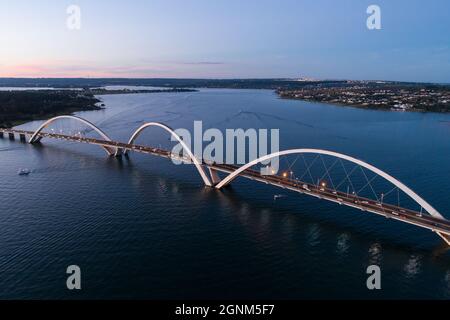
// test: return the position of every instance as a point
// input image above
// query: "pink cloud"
(63, 69)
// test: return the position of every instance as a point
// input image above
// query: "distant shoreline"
(22, 106)
(368, 108)
(370, 95)
(103, 91)
(386, 98)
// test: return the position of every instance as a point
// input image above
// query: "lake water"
(144, 228)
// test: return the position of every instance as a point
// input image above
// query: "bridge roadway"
(440, 226)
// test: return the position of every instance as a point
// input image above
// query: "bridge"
(425, 216)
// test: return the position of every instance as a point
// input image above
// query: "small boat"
(23, 172)
(278, 196)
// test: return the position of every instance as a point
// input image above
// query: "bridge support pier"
(1, 134)
(118, 153)
(23, 137)
(215, 179)
(11, 136)
(36, 140)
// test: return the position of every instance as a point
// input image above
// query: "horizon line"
(305, 79)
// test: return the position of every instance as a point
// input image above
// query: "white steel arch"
(35, 137)
(197, 164)
(425, 205)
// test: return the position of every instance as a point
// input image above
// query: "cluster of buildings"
(379, 96)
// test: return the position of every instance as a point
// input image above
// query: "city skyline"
(160, 39)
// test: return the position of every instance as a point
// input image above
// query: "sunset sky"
(226, 39)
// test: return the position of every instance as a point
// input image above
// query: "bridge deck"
(441, 226)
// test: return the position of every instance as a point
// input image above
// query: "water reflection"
(313, 235)
(447, 282)
(413, 266)
(288, 227)
(342, 245)
(375, 254)
(264, 218)
(256, 222)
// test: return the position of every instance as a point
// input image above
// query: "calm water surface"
(144, 228)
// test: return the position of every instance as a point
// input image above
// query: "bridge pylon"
(215, 179)
(445, 237)
(36, 137)
(118, 153)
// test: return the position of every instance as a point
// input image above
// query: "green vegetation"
(17, 107)
(21, 106)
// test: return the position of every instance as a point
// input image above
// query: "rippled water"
(144, 228)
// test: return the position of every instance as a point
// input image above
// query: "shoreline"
(60, 102)
(16, 123)
(368, 108)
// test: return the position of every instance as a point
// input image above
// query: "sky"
(323, 39)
